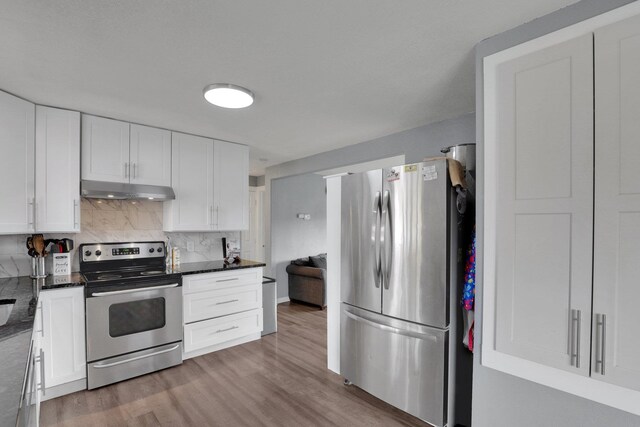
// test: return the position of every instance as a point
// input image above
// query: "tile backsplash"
(115, 221)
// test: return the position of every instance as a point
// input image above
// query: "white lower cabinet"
(221, 310)
(62, 329)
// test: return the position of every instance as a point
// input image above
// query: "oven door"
(122, 320)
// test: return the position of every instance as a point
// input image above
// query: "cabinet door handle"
(217, 215)
(227, 302)
(135, 167)
(75, 214)
(43, 385)
(576, 325)
(228, 329)
(227, 280)
(30, 212)
(601, 333)
(126, 170)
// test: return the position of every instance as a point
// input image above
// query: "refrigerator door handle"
(375, 240)
(386, 243)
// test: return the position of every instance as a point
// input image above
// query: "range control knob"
(159, 249)
(151, 250)
(87, 253)
(98, 252)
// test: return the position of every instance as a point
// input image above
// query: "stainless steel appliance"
(133, 311)
(400, 291)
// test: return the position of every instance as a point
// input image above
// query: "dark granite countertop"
(213, 266)
(15, 334)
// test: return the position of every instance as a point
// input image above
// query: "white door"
(63, 335)
(253, 239)
(57, 170)
(105, 149)
(231, 186)
(543, 190)
(617, 205)
(192, 181)
(150, 156)
(17, 172)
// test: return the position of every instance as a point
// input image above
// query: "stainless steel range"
(133, 311)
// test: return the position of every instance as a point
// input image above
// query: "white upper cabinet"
(616, 348)
(57, 170)
(543, 189)
(231, 186)
(211, 182)
(116, 151)
(17, 172)
(105, 149)
(150, 156)
(192, 182)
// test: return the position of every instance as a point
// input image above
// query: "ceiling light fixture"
(228, 96)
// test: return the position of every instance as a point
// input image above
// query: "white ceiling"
(326, 74)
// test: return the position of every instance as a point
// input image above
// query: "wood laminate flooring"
(280, 380)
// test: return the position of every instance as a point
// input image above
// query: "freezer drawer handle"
(130, 291)
(391, 329)
(144, 356)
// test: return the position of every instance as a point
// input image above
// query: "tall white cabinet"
(57, 203)
(210, 179)
(17, 145)
(544, 186)
(616, 348)
(562, 212)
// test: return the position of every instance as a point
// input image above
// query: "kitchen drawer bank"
(221, 309)
(17, 336)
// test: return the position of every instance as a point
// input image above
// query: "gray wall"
(292, 237)
(415, 144)
(500, 399)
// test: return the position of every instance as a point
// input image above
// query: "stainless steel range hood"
(117, 190)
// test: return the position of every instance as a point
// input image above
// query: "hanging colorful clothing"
(469, 293)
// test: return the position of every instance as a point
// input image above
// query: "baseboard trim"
(283, 299)
(62, 389)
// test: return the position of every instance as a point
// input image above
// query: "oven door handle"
(144, 356)
(130, 291)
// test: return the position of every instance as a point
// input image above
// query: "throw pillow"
(319, 261)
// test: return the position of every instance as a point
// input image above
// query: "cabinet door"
(192, 181)
(63, 341)
(105, 149)
(57, 170)
(150, 156)
(617, 205)
(541, 191)
(17, 172)
(231, 186)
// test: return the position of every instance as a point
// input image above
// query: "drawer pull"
(227, 280)
(227, 302)
(228, 329)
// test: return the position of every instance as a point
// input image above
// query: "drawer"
(211, 281)
(221, 302)
(222, 329)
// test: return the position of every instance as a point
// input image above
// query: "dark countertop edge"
(189, 268)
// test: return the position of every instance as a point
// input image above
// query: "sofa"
(308, 280)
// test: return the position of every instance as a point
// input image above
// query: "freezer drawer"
(402, 363)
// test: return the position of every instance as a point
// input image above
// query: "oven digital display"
(125, 251)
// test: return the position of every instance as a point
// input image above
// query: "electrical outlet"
(190, 246)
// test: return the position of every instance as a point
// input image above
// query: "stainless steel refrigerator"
(401, 264)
